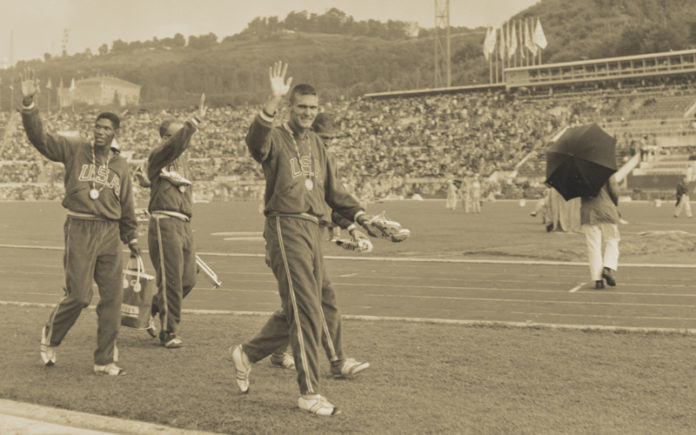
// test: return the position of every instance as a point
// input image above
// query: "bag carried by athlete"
(138, 290)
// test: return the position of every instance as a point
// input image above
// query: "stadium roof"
(435, 91)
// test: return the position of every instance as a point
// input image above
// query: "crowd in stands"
(394, 147)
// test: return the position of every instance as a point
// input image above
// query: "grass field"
(426, 376)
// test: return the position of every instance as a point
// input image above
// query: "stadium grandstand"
(398, 144)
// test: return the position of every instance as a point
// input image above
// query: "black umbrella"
(580, 160)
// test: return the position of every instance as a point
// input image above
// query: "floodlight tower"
(64, 42)
(443, 67)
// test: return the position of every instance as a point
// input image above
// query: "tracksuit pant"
(331, 339)
(92, 252)
(294, 248)
(602, 247)
(170, 241)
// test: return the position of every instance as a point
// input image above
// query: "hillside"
(233, 71)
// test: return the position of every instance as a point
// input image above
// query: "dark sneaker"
(599, 284)
(608, 276)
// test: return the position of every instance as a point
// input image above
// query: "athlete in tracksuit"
(170, 238)
(300, 182)
(101, 214)
(332, 337)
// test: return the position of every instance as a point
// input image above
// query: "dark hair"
(302, 89)
(164, 126)
(115, 120)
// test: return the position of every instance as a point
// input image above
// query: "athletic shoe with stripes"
(242, 368)
(317, 405)
(48, 352)
(110, 369)
(349, 368)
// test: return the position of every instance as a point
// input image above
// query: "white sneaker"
(349, 368)
(317, 405)
(284, 362)
(48, 352)
(242, 368)
(110, 369)
(151, 328)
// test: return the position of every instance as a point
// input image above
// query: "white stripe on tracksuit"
(295, 310)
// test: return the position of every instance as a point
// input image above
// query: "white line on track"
(474, 323)
(238, 233)
(243, 239)
(603, 316)
(577, 287)
(533, 301)
(406, 259)
(348, 275)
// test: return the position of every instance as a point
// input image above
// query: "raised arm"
(257, 138)
(169, 150)
(52, 146)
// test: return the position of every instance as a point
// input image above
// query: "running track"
(558, 294)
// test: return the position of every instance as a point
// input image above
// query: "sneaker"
(599, 284)
(110, 369)
(380, 226)
(349, 368)
(172, 342)
(48, 352)
(284, 361)
(608, 276)
(151, 327)
(242, 368)
(317, 405)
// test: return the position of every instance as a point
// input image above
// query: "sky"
(35, 27)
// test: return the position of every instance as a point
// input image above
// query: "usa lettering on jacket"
(304, 167)
(89, 172)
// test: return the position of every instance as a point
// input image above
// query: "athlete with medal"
(101, 215)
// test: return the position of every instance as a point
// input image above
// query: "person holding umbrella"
(581, 162)
(599, 218)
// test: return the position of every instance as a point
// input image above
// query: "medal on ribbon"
(309, 184)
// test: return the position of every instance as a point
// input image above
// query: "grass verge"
(424, 378)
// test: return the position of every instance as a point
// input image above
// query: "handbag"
(138, 290)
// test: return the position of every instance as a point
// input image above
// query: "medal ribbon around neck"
(309, 184)
(93, 192)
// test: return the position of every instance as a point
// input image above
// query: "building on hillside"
(100, 91)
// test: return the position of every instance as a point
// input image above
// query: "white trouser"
(684, 204)
(602, 248)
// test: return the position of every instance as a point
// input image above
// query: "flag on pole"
(72, 85)
(512, 43)
(489, 43)
(501, 45)
(49, 85)
(531, 46)
(539, 37)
